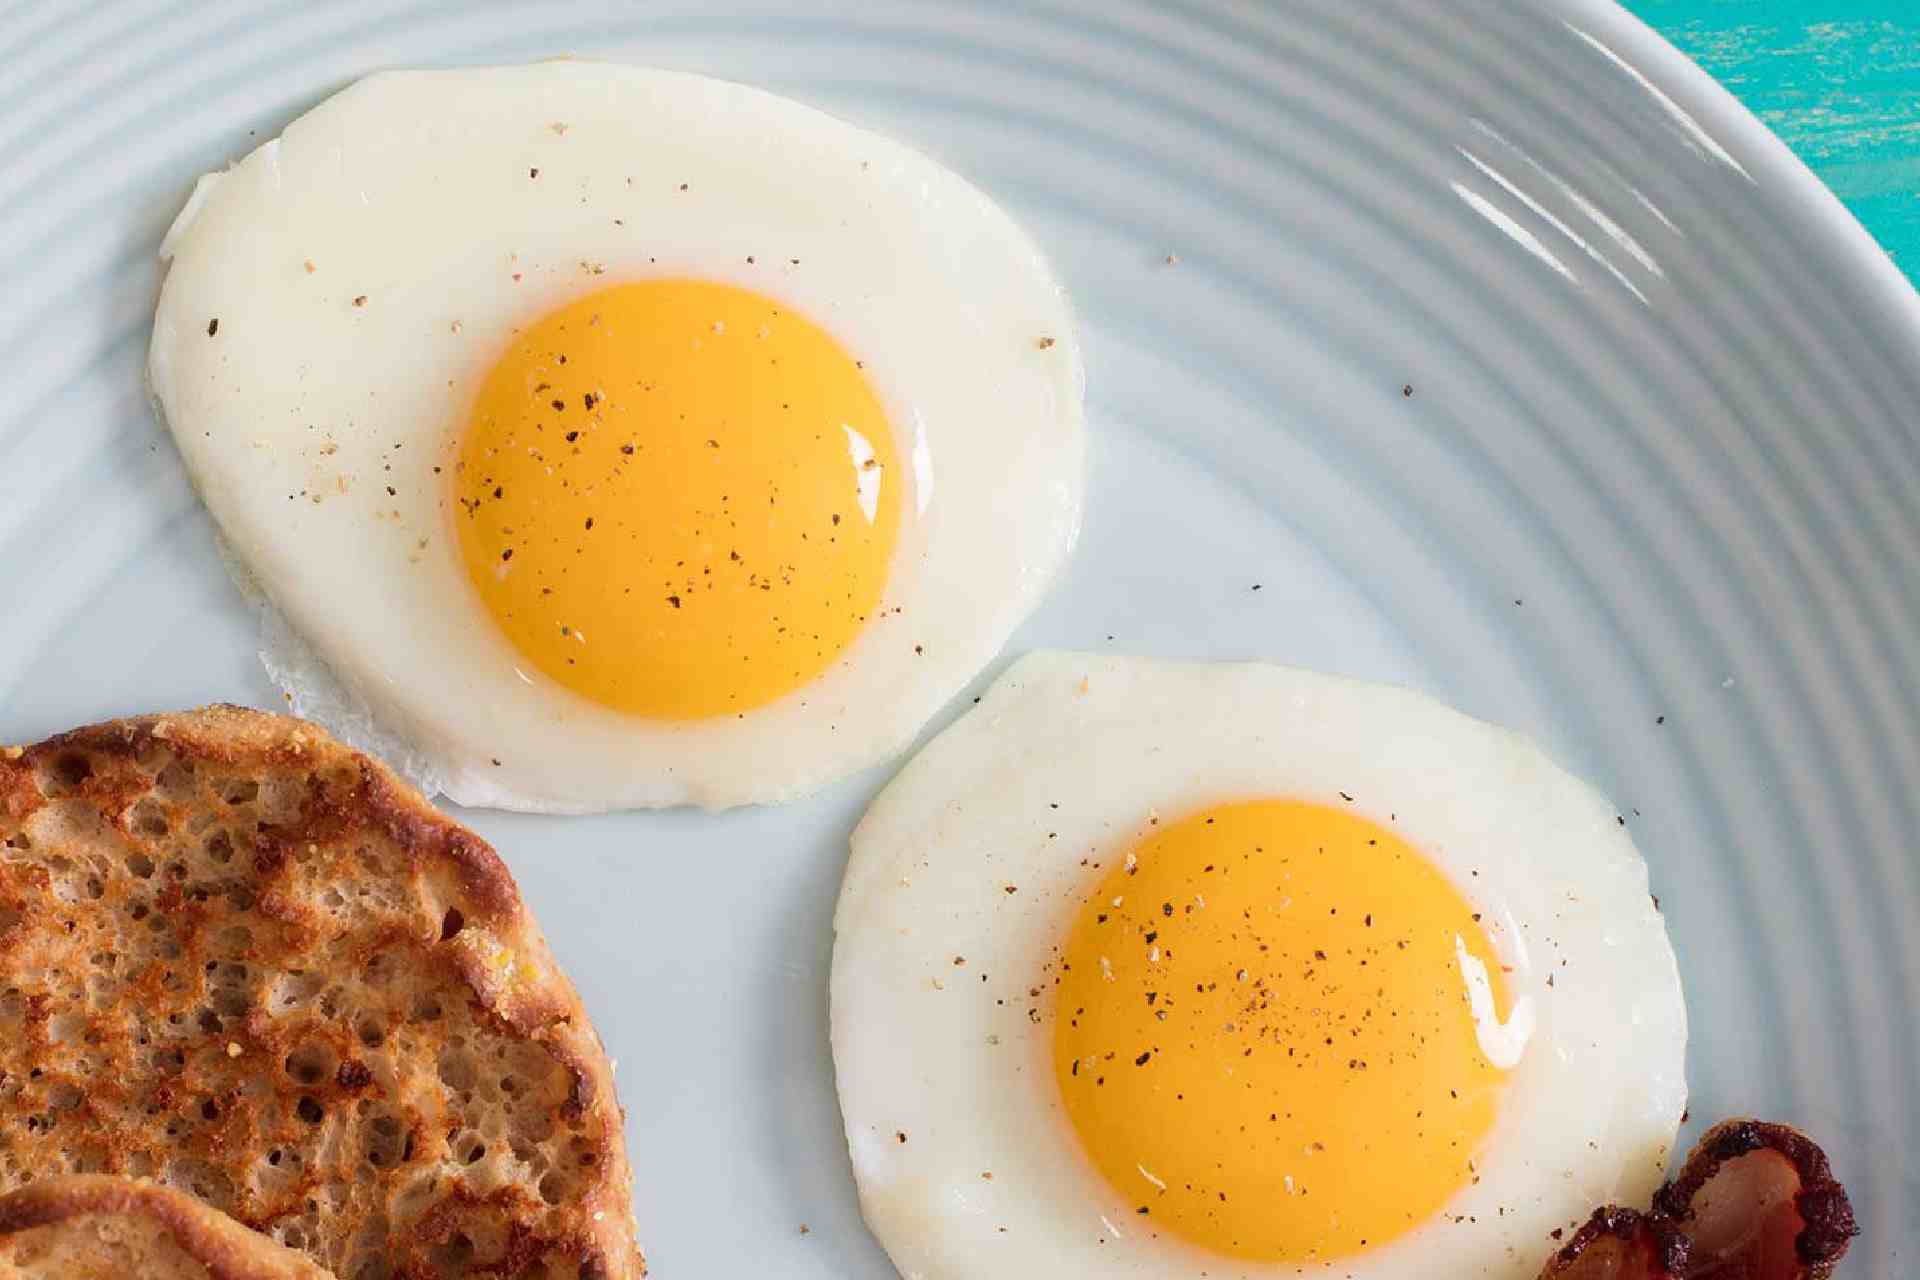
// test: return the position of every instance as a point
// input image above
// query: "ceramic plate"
(1496, 346)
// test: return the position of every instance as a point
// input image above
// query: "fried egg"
(622, 437)
(1147, 968)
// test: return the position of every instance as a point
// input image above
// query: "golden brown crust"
(59, 1209)
(238, 956)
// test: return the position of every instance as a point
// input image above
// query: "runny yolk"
(678, 498)
(1264, 1038)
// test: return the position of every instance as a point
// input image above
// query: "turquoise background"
(1838, 80)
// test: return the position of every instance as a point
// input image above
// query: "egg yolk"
(1263, 1033)
(678, 498)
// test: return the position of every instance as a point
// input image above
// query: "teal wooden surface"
(1838, 80)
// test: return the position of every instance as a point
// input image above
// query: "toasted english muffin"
(94, 1227)
(246, 961)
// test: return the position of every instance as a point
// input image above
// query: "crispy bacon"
(1754, 1201)
(1621, 1244)
(1758, 1201)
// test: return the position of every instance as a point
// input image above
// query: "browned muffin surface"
(248, 962)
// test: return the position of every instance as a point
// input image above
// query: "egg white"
(943, 1077)
(334, 298)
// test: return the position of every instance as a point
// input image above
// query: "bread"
(90, 1227)
(248, 962)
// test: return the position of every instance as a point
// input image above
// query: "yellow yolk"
(679, 499)
(1264, 1038)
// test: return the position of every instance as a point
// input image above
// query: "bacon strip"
(1621, 1244)
(1754, 1201)
(1758, 1201)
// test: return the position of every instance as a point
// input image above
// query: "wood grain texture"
(1838, 80)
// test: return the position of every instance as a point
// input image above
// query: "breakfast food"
(1754, 1200)
(92, 1227)
(242, 960)
(1153, 968)
(622, 437)
(1620, 1244)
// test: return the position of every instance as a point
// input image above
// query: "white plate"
(1504, 352)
